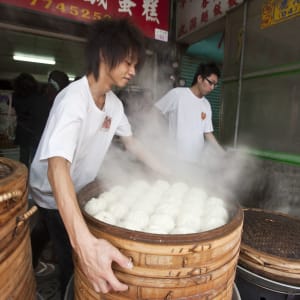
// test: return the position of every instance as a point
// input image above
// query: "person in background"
(189, 114)
(24, 100)
(57, 80)
(83, 120)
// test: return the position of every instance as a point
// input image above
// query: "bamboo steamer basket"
(270, 245)
(190, 266)
(17, 279)
(69, 295)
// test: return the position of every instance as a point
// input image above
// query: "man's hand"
(96, 259)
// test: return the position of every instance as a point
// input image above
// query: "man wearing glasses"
(189, 113)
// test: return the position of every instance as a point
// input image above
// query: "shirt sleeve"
(167, 103)
(208, 124)
(124, 128)
(62, 132)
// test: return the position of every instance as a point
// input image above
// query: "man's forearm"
(65, 196)
(141, 153)
(209, 136)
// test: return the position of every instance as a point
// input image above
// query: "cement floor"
(48, 287)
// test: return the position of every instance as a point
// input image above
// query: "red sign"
(152, 16)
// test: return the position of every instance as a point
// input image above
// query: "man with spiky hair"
(84, 118)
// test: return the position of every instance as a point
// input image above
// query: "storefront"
(57, 30)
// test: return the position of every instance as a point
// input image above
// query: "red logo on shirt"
(106, 123)
(203, 116)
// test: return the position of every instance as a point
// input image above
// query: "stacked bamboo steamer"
(271, 246)
(17, 279)
(190, 266)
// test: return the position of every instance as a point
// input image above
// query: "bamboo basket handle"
(10, 195)
(21, 220)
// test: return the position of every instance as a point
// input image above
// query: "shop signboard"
(274, 12)
(152, 16)
(192, 15)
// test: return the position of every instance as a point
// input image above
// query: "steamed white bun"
(144, 205)
(94, 205)
(175, 200)
(128, 200)
(161, 185)
(138, 219)
(156, 229)
(216, 201)
(177, 189)
(212, 223)
(167, 209)
(165, 222)
(106, 217)
(108, 197)
(153, 197)
(118, 210)
(131, 225)
(194, 205)
(189, 221)
(196, 192)
(183, 230)
(219, 212)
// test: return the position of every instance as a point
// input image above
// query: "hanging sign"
(152, 16)
(274, 12)
(195, 14)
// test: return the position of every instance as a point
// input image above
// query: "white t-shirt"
(189, 118)
(81, 133)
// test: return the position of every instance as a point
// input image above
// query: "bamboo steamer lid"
(271, 245)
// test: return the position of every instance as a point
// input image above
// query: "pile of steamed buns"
(160, 208)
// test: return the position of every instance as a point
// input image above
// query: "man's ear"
(200, 78)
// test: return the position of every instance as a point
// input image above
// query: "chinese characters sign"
(194, 14)
(274, 12)
(152, 16)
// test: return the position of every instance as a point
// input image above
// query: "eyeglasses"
(211, 83)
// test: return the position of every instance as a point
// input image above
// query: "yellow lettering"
(85, 13)
(61, 6)
(74, 10)
(48, 3)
